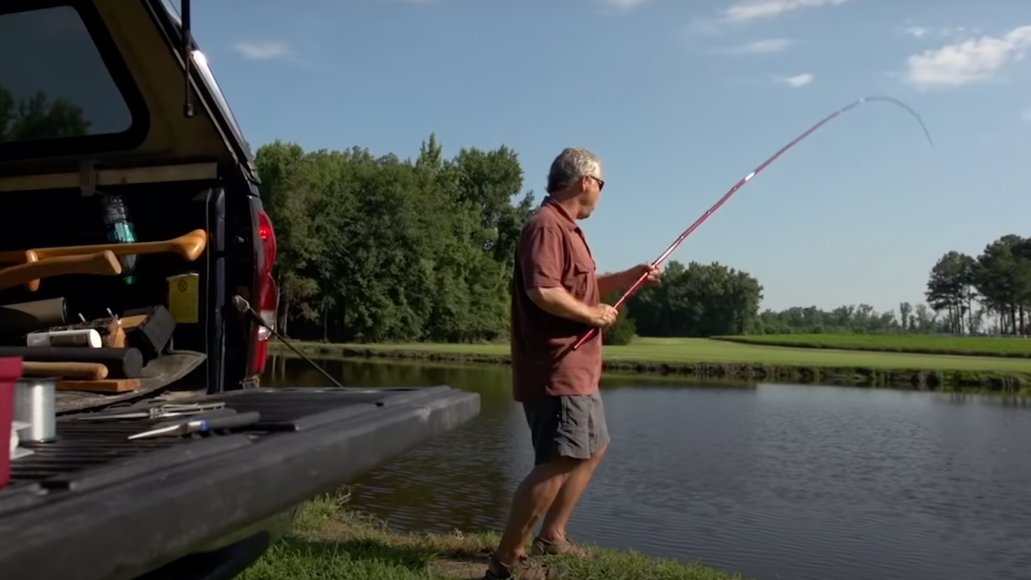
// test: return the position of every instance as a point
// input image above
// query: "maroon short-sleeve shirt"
(552, 251)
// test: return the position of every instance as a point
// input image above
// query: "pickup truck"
(114, 133)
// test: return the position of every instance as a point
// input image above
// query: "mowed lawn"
(694, 350)
(913, 343)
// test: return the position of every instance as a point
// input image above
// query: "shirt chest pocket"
(582, 271)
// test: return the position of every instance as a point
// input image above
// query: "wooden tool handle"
(31, 258)
(190, 246)
(121, 363)
(107, 386)
(65, 370)
(101, 263)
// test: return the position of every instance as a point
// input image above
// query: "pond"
(776, 482)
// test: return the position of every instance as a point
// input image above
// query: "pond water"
(776, 482)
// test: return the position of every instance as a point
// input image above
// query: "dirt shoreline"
(921, 379)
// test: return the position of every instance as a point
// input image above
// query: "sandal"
(542, 547)
(525, 569)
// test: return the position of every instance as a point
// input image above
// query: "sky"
(681, 99)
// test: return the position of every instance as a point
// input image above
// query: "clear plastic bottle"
(119, 227)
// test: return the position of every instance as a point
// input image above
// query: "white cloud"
(926, 32)
(917, 31)
(263, 50)
(957, 30)
(797, 80)
(970, 61)
(757, 9)
(625, 4)
(765, 46)
(744, 11)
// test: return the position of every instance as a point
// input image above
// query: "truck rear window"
(54, 83)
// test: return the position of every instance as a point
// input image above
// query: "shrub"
(622, 332)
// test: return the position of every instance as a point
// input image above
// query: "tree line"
(379, 248)
(852, 319)
(986, 294)
(384, 249)
(712, 300)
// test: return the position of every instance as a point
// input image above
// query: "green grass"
(907, 343)
(331, 543)
(723, 360)
(704, 350)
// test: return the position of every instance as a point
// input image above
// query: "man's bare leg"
(535, 494)
(557, 517)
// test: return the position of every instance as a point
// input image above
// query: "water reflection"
(773, 481)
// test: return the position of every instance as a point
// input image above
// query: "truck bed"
(95, 506)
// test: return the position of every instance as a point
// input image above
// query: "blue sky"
(681, 98)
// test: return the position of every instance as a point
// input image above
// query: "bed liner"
(157, 374)
(94, 505)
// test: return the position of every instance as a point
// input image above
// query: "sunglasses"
(601, 182)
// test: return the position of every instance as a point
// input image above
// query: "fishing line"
(626, 295)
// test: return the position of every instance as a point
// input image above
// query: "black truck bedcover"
(93, 505)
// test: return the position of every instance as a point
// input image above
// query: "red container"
(10, 372)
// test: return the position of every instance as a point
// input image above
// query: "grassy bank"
(720, 359)
(906, 343)
(331, 543)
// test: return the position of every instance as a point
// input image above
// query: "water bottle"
(119, 229)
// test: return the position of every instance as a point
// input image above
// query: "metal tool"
(158, 412)
(226, 412)
(34, 403)
(198, 425)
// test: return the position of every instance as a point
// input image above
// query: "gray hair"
(570, 165)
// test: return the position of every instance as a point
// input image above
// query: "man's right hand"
(603, 316)
(558, 301)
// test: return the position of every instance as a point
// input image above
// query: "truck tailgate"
(93, 505)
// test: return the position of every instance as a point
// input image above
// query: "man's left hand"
(654, 275)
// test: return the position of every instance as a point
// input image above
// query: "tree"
(699, 300)
(623, 331)
(1003, 281)
(905, 312)
(926, 320)
(950, 289)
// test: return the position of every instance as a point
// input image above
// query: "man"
(556, 297)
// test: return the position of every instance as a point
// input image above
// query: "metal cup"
(34, 404)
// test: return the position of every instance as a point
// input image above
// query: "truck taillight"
(268, 292)
(267, 235)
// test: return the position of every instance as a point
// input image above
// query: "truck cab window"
(53, 81)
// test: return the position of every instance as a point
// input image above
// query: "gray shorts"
(569, 426)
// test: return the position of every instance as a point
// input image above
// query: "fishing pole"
(630, 291)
